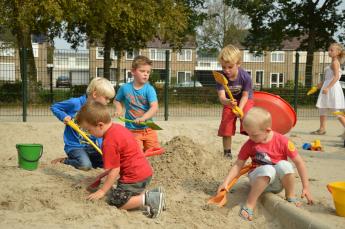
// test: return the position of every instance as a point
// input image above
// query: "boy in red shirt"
(123, 158)
(268, 150)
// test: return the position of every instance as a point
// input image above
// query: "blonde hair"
(230, 54)
(258, 117)
(141, 60)
(93, 112)
(102, 87)
(341, 50)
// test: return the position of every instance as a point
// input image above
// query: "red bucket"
(283, 115)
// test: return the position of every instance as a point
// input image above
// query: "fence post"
(23, 73)
(166, 86)
(50, 72)
(296, 81)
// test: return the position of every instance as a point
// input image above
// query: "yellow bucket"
(337, 189)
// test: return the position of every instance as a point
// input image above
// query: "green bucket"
(29, 155)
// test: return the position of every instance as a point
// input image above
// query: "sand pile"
(187, 163)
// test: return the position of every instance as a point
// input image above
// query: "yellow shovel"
(75, 127)
(312, 90)
(339, 113)
(220, 78)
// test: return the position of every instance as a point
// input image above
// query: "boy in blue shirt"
(80, 154)
(141, 103)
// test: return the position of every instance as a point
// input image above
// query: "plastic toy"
(314, 146)
(283, 115)
(312, 90)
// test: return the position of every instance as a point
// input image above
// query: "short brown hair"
(141, 60)
(93, 112)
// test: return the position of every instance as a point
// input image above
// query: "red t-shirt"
(120, 149)
(270, 153)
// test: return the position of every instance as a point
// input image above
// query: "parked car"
(63, 81)
(189, 84)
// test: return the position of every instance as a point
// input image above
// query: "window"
(204, 64)
(100, 53)
(100, 73)
(249, 73)
(324, 58)
(7, 52)
(130, 55)
(35, 49)
(185, 55)
(61, 61)
(7, 72)
(259, 76)
(302, 57)
(184, 77)
(252, 57)
(277, 80)
(129, 76)
(82, 61)
(158, 54)
(278, 56)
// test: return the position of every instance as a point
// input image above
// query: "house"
(72, 64)
(10, 62)
(181, 69)
(272, 68)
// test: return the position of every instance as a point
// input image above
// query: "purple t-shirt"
(243, 82)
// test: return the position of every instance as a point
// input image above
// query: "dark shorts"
(123, 192)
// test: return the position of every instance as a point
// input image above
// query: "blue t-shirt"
(137, 102)
(243, 82)
(70, 107)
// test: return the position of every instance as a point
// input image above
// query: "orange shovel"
(220, 198)
(220, 78)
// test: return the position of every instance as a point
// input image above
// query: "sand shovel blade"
(220, 199)
(153, 125)
(220, 78)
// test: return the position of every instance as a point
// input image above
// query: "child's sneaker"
(160, 189)
(155, 203)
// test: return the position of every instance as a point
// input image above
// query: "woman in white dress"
(331, 95)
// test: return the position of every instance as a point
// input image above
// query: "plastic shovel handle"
(76, 128)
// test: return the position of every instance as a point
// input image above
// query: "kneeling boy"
(122, 157)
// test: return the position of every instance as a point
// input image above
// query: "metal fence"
(31, 80)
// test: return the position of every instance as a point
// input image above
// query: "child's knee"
(84, 164)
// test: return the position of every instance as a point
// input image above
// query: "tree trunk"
(310, 60)
(118, 68)
(107, 49)
(24, 42)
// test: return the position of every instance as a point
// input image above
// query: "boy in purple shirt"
(240, 85)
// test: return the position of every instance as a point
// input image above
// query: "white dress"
(334, 99)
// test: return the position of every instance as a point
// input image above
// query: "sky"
(62, 44)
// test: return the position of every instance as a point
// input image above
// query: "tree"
(273, 21)
(126, 25)
(23, 18)
(224, 25)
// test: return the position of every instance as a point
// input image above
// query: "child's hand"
(96, 195)
(67, 119)
(221, 187)
(325, 91)
(306, 193)
(116, 114)
(139, 120)
(233, 103)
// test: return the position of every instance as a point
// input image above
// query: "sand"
(190, 171)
